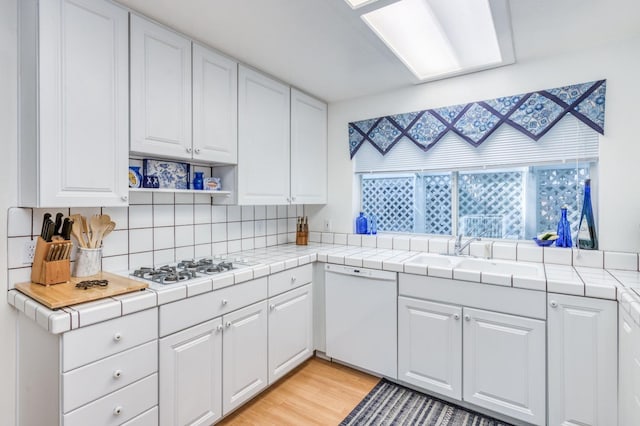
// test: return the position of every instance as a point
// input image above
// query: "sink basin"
(432, 259)
(502, 267)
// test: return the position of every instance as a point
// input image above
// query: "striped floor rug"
(391, 404)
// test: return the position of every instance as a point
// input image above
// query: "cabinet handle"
(224, 302)
(467, 317)
(117, 337)
(456, 316)
(288, 200)
(293, 279)
(197, 150)
(293, 198)
(124, 198)
(228, 324)
(219, 327)
(272, 307)
(553, 304)
(189, 150)
(117, 374)
(117, 411)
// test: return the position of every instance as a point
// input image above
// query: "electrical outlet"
(29, 252)
(327, 225)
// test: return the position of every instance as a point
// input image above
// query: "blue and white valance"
(533, 114)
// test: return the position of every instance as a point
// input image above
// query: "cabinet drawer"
(148, 418)
(290, 279)
(118, 407)
(88, 344)
(95, 380)
(195, 310)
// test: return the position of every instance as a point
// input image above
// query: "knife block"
(49, 272)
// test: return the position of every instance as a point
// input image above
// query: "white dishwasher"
(361, 318)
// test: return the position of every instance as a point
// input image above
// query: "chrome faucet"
(458, 248)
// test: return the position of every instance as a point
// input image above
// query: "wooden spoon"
(106, 231)
(98, 225)
(77, 229)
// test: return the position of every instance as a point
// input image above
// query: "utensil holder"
(88, 262)
(49, 272)
(302, 238)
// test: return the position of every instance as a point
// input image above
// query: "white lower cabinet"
(504, 364)
(191, 375)
(582, 346)
(629, 371)
(244, 355)
(421, 325)
(290, 331)
(492, 360)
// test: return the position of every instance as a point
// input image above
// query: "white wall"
(8, 173)
(618, 198)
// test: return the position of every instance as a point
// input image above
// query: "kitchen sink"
(501, 267)
(432, 259)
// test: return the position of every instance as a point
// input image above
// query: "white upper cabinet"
(308, 149)
(215, 107)
(74, 103)
(263, 139)
(160, 91)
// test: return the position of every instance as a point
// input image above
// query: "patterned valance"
(533, 114)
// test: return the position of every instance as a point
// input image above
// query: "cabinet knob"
(124, 197)
(219, 327)
(553, 304)
(117, 374)
(467, 317)
(224, 302)
(228, 324)
(288, 200)
(293, 279)
(117, 337)
(272, 307)
(456, 316)
(117, 411)
(197, 150)
(189, 150)
(293, 198)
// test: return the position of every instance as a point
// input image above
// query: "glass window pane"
(491, 204)
(391, 199)
(555, 187)
(437, 210)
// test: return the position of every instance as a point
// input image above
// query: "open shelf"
(183, 191)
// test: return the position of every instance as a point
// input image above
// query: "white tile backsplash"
(20, 222)
(162, 257)
(234, 214)
(247, 213)
(184, 236)
(202, 233)
(588, 258)
(163, 215)
(15, 252)
(623, 261)
(140, 216)
(184, 253)
(218, 214)
(184, 214)
(248, 229)
(283, 212)
(119, 215)
(218, 232)
(260, 212)
(234, 230)
(202, 213)
(557, 255)
(163, 238)
(163, 198)
(505, 251)
(140, 240)
(116, 243)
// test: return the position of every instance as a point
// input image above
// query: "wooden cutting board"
(67, 294)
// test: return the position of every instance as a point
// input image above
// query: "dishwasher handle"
(360, 272)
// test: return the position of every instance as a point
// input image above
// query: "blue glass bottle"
(198, 181)
(564, 230)
(587, 238)
(373, 224)
(361, 224)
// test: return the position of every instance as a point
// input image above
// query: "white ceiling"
(324, 48)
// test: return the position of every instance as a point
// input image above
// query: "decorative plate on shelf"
(170, 174)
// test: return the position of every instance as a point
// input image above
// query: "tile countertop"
(574, 280)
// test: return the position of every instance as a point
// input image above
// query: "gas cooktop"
(188, 269)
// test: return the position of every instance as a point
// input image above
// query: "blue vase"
(135, 177)
(373, 224)
(564, 230)
(198, 181)
(361, 224)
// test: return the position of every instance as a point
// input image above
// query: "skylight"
(357, 3)
(437, 38)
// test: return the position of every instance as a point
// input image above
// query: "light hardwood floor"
(318, 392)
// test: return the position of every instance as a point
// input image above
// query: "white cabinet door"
(82, 154)
(263, 139)
(215, 107)
(308, 149)
(191, 375)
(160, 91)
(629, 371)
(582, 342)
(430, 346)
(504, 364)
(244, 355)
(290, 331)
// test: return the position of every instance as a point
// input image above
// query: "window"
(508, 203)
